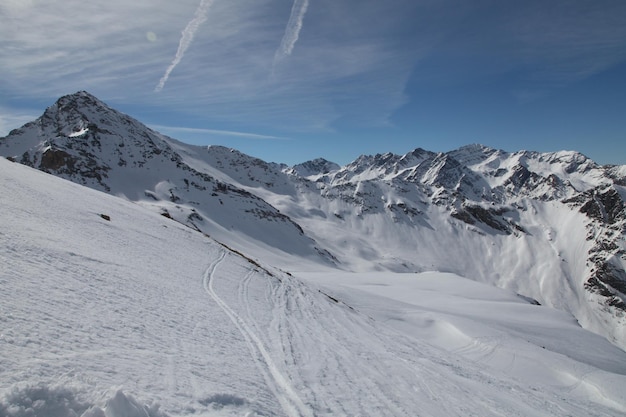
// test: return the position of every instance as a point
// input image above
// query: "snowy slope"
(109, 309)
(549, 226)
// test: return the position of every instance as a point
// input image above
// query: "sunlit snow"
(78, 133)
(109, 309)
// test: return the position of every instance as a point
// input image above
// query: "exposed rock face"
(607, 278)
(54, 160)
(315, 167)
(604, 206)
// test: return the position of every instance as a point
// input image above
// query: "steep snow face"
(109, 309)
(549, 226)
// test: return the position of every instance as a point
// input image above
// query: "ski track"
(325, 349)
(342, 363)
(289, 400)
(303, 358)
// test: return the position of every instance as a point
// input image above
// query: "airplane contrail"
(292, 31)
(186, 39)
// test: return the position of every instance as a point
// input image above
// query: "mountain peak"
(80, 98)
(476, 147)
(473, 154)
(72, 113)
(79, 94)
(315, 166)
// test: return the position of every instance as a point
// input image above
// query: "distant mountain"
(317, 166)
(549, 226)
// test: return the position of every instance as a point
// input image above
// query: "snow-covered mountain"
(109, 309)
(81, 139)
(549, 226)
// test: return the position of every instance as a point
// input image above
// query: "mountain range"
(165, 279)
(548, 226)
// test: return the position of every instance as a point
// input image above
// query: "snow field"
(140, 316)
(495, 328)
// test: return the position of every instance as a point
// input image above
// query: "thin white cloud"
(103, 49)
(247, 135)
(549, 44)
(186, 40)
(569, 47)
(15, 7)
(12, 120)
(292, 31)
(356, 66)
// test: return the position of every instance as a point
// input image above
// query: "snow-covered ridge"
(547, 225)
(121, 156)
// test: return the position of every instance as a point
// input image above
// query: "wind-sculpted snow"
(61, 401)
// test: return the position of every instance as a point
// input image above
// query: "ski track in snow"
(285, 394)
(326, 371)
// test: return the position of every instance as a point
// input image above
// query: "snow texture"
(109, 309)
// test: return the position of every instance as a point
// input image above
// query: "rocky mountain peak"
(314, 167)
(82, 99)
(72, 112)
(474, 154)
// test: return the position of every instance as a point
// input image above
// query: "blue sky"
(289, 81)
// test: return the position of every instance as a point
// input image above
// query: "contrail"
(292, 31)
(186, 39)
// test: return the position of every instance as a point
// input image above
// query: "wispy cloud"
(104, 49)
(362, 62)
(292, 31)
(10, 120)
(567, 42)
(172, 130)
(353, 69)
(186, 39)
(59, 47)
